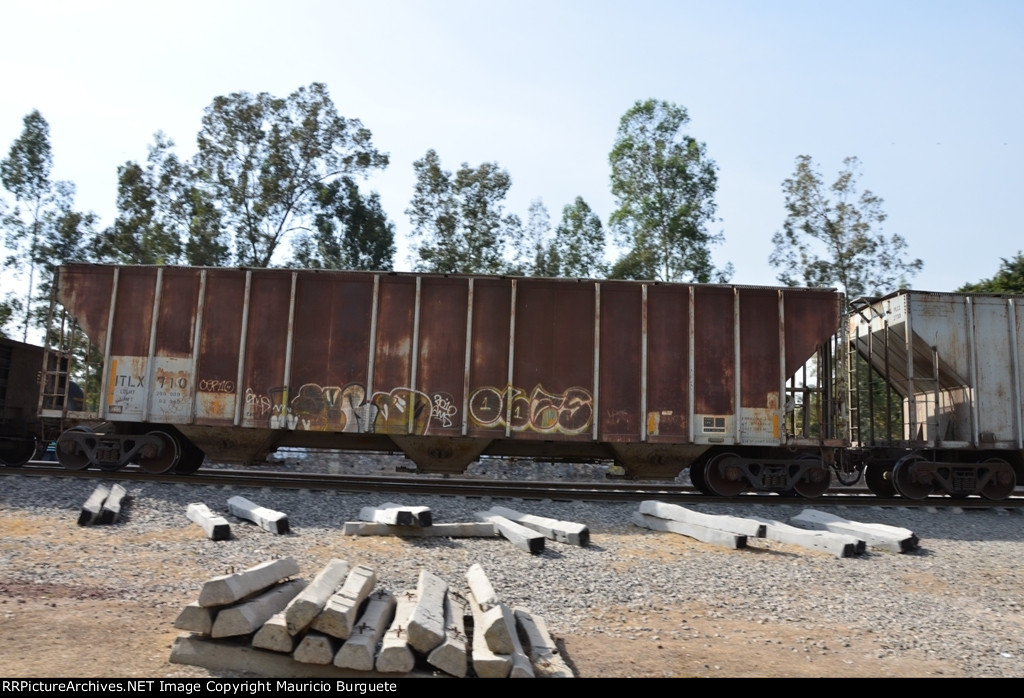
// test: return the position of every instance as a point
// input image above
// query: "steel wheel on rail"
(697, 478)
(21, 453)
(878, 478)
(723, 476)
(169, 454)
(191, 458)
(815, 480)
(909, 481)
(70, 453)
(1001, 482)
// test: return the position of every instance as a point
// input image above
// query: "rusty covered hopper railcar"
(951, 420)
(236, 362)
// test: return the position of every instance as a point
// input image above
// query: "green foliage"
(460, 221)
(832, 235)
(42, 230)
(265, 158)
(164, 215)
(579, 242)
(1009, 278)
(351, 231)
(534, 249)
(664, 183)
(8, 308)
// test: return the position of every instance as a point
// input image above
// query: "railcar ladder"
(58, 362)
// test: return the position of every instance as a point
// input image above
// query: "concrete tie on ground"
(305, 607)
(315, 648)
(730, 524)
(481, 586)
(267, 519)
(472, 529)
(111, 509)
(274, 635)
(249, 616)
(893, 539)
(838, 544)
(195, 619)
(520, 536)
(712, 536)
(426, 623)
(547, 660)
(397, 515)
(338, 616)
(215, 527)
(358, 650)
(450, 656)
(91, 508)
(229, 588)
(487, 663)
(552, 529)
(395, 655)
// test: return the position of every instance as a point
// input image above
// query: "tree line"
(276, 180)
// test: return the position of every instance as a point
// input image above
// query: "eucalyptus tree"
(579, 242)
(25, 173)
(351, 231)
(664, 184)
(534, 252)
(459, 222)
(1008, 279)
(164, 214)
(833, 236)
(266, 157)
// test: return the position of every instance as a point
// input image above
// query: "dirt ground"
(76, 632)
(95, 630)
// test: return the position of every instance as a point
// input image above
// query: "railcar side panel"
(489, 360)
(564, 367)
(551, 392)
(667, 406)
(617, 400)
(219, 393)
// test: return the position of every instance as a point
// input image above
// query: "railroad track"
(412, 485)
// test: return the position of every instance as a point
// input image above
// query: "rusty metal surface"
(519, 364)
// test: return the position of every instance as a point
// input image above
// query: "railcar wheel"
(191, 458)
(70, 454)
(157, 463)
(1002, 481)
(21, 453)
(697, 478)
(814, 482)
(723, 477)
(878, 478)
(910, 482)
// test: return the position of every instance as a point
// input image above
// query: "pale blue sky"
(928, 94)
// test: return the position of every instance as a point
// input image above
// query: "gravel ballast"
(954, 605)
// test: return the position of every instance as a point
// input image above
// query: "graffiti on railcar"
(542, 411)
(313, 407)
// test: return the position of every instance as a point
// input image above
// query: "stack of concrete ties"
(498, 651)
(103, 506)
(390, 519)
(337, 625)
(528, 532)
(827, 532)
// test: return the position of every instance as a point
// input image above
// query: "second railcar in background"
(23, 434)
(936, 393)
(734, 382)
